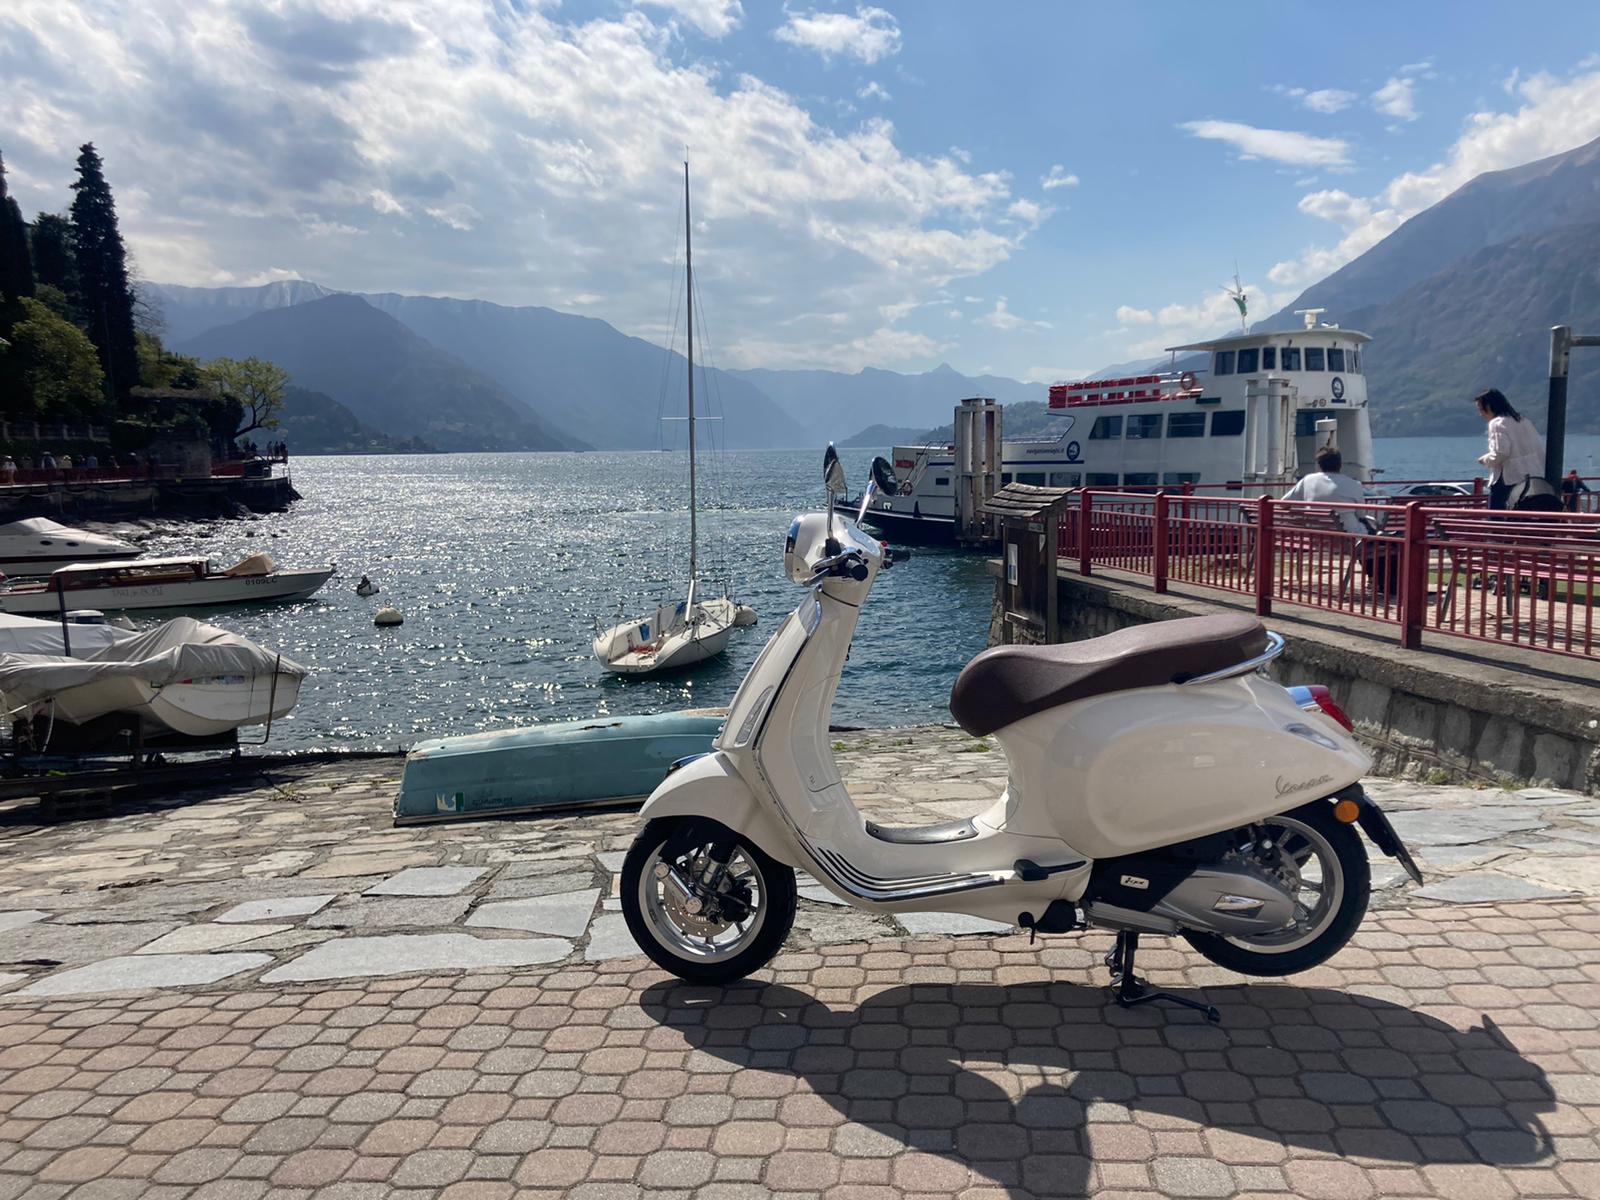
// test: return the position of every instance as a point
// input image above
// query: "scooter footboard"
(709, 787)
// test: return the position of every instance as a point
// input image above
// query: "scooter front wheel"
(703, 902)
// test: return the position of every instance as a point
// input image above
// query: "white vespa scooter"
(1158, 783)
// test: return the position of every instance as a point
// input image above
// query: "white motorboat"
(694, 629)
(182, 677)
(162, 583)
(38, 545)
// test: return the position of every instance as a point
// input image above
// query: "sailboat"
(682, 633)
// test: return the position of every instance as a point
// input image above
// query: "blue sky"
(1031, 189)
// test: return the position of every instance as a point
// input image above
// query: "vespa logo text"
(1290, 787)
(1133, 881)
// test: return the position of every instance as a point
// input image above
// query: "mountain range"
(1458, 298)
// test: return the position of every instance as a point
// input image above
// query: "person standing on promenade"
(1571, 485)
(1516, 451)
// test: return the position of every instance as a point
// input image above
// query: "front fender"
(709, 786)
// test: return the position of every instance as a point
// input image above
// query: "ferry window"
(1005, 478)
(1227, 424)
(1106, 428)
(1189, 424)
(1224, 364)
(1249, 360)
(1336, 359)
(1065, 478)
(1355, 362)
(1101, 479)
(1315, 359)
(1145, 427)
(941, 481)
(1269, 358)
(1140, 479)
(1036, 478)
(1291, 358)
(1181, 477)
(1305, 423)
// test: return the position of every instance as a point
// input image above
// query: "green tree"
(103, 275)
(256, 385)
(53, 259)
(16, 268)
(50, 368)
(161, 368)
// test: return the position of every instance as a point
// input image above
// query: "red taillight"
(1324, 701)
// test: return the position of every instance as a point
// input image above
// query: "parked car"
(1421, 491)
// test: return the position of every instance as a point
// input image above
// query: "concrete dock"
(270, 990)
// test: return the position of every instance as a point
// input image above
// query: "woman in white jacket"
(1516, 450)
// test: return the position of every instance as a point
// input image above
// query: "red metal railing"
(1514, 578)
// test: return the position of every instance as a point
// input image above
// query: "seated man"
(1380, 555)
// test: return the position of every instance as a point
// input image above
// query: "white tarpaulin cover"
(30, 635)
(179, 650)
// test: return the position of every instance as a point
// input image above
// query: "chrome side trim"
(1274, 648)
(852, 880)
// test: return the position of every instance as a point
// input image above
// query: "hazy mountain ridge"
(388, 377)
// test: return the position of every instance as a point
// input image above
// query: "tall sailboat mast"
(688, 272)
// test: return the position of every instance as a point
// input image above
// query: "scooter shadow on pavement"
(968, 1074)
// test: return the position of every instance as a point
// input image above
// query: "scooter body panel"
(711, 787)
(1131, 771)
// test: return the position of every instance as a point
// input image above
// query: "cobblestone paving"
(272, 991)
(1447, 1053)
(303, 876)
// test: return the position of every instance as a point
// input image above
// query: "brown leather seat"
(1006, 683)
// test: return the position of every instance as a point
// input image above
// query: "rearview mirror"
(833, 472)
(883, 475)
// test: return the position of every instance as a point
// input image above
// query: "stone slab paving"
(1448, 1052)
(307, 858)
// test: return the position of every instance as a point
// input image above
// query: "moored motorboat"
(162, 583)
(183, 677)
(86, 632)
(38, 545)
(605, 761)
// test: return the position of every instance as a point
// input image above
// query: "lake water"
(503, 563)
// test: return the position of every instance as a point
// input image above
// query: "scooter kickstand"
(1128, 989)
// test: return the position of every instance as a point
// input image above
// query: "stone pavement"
(304, 877)
(271, 990)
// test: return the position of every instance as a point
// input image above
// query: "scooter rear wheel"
(704, 903)
(1335, 882)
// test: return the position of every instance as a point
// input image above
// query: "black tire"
(1352, 861)
(778, 902)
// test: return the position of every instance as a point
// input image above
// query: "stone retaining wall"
(1424, 714)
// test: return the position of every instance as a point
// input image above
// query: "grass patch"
(978, 747)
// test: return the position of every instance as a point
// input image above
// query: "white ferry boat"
(1251, 421)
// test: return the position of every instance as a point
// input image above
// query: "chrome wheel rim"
(1305, 864)
(713, 937)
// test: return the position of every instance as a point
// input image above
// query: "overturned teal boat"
(575, 764)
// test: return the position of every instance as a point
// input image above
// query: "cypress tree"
(53, 262)
(16, 269)
(103, 275)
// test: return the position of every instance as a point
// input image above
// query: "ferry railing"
(1515, 578)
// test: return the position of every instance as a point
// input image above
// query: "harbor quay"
(265, 988)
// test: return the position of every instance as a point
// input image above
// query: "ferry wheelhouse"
(1251, 418)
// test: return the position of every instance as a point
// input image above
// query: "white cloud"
(870, 35)
(873, 90)
(1128, 315)
(1058, 177)
(1397, 99)
(1328, 100)
(714, 18)
(1003, 319)
(1280, 145)
(1337, 206)
(1213, 314)
(514, 153)
(1028, 212)
(1556, 115)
